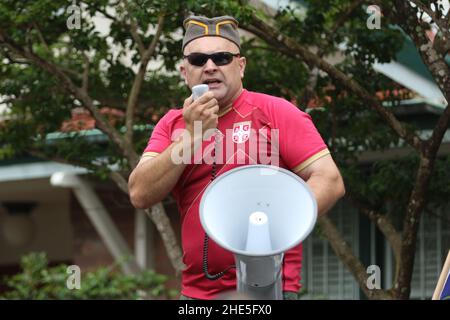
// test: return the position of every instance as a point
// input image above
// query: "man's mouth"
(212, 83)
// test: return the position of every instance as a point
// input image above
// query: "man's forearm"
(154, 179)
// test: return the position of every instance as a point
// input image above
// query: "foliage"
(39, 281)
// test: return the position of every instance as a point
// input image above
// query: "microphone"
(199, 90)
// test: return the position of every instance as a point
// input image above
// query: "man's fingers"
(214, 109)
(204, 100)
(188, 102)
(200, 110)
(210, 110)
(204, 109)
(205, 97)
(210, 104)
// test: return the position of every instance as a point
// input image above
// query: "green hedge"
(39, 281)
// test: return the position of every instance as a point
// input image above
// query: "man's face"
(227, 79)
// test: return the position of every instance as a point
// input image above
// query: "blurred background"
(82, 84)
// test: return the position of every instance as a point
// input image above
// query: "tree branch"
(411, 221)
(439, 22)
(382, 222)
(308, 91)
(434, 60)
(345, 254)
(162, 223)
(134, 30)
(343, 17)
(13, 60)
(439, 130)
(90, 4)
(138, 80)
(41, 37)
(145, 55)
(120, 181)
(385, 225)
(106, 14)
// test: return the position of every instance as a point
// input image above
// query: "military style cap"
(224, 26)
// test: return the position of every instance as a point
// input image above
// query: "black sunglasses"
(219, 58)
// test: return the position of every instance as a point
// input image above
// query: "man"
(211, 50)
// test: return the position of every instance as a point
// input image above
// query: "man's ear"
(242, 64)
(183, 73)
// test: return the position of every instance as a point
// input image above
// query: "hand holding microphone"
(201, 106)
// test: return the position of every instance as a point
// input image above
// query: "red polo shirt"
(285, 136)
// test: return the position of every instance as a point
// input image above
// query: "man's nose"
(210, 66)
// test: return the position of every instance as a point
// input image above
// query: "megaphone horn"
(258, 212)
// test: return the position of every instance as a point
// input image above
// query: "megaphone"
(258, 212)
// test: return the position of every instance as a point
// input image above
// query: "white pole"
(143, 240)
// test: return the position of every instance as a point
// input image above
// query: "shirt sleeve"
(160, 138)
(300, 142)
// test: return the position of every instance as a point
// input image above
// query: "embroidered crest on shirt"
(241, 131)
